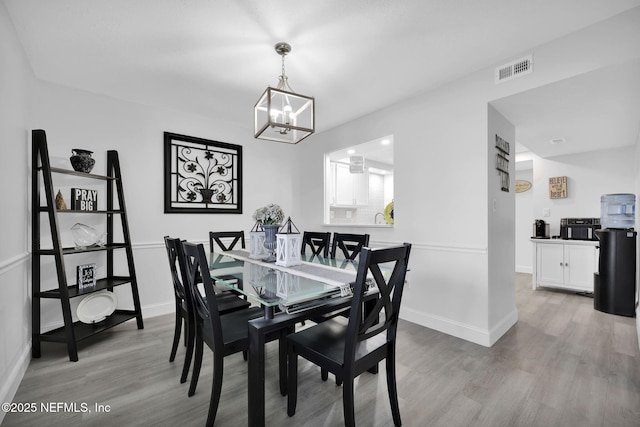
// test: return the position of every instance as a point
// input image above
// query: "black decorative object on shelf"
(84, 200)
(86, 274)
(81, 160)
(201, 176)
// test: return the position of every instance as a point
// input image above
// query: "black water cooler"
(614, 289)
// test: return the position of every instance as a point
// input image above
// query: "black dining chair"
(216, 238)
(349, 244)
(318, 242)
(226, 304)
(220, 239)
(348, 350)
(225, 334)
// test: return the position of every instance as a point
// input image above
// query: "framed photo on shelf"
(201, 176)
(86, 274)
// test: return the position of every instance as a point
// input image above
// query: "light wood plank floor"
(563, 364)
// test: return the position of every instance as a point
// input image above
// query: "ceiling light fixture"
(281, 114)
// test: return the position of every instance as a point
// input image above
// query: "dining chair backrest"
(205, 308)
(349, 244)
(173, 247)
(215, 238)
(383, 317)
(318, 242)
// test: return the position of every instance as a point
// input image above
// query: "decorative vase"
(270, 242)
(81, 161)
(207, 194)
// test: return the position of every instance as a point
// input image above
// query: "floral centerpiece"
(271, 214)
(269, 218)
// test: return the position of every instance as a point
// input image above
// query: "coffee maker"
(540, 229)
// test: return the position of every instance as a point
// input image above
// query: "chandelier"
(281, 114)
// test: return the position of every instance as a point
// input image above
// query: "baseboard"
(158, 309)
(10, 386)
(524, 269)
(503, 326)
(461, 330)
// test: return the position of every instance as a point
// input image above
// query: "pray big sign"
(84, 200)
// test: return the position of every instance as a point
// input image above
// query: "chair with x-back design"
(318, 243)
(368, 338)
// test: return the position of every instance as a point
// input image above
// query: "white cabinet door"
(569, 266)
(579, 263)
(550, 263)
(351, 189)
(361, 188)
(344, 186)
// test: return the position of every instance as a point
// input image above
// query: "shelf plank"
(82, 174)
(75, 211)
(67, 251)
(101, 284)
(83, 330)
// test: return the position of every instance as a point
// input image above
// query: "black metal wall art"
(201, 176)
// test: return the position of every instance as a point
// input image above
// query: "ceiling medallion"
(281, 114)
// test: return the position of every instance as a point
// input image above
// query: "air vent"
(514, 69)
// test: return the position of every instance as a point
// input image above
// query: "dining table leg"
(256, 393)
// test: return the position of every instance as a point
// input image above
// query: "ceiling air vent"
(514, 69)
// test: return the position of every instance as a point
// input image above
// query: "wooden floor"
(563, 364)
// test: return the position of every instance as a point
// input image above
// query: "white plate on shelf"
(96, 307)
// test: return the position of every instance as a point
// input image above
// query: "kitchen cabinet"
(566, 264)
(349, 189)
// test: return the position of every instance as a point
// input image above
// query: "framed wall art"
(201, 176)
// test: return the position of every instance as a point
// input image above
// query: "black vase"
(81, 161)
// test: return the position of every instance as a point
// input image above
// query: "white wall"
(76, 119)
(501, 296)
(441, 197)
(15, 312)
(589, 176)
(524, 224)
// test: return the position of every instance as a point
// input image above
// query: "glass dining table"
(288, 295)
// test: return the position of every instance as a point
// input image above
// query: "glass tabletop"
(271, 285)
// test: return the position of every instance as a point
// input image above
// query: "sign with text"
(86, 274)
(558, 187)
(84, 200)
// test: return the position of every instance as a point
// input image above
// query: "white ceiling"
(216, 57)
(589, 112)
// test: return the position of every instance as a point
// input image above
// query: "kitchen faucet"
(375, 218)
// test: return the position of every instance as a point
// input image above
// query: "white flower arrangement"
(270, 214)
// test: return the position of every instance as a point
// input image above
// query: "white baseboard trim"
(461, 330)
(158, 309)
(503, 326)
(10, 386)
(524, 269)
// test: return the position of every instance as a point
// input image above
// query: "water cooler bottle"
(614, 288)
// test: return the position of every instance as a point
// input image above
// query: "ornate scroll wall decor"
(502, 162)
(201, 176)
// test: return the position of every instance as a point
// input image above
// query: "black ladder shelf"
(72, 332)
